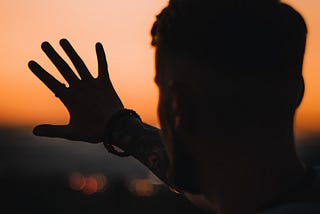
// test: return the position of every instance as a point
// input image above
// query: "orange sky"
(123, 28)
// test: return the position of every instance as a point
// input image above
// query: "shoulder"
(295, 208)
(312, 192)
(308, 201)
(317, 180)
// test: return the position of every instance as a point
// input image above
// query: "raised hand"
(90, 101)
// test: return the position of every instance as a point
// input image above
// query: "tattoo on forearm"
(150, 151)
(144, 143)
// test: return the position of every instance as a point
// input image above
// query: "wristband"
(116, 117)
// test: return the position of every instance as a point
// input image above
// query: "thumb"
(60, 131)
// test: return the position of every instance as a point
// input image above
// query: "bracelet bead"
(108, 143)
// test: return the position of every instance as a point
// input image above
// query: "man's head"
(226, 68)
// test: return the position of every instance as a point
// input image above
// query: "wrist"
(123, 128)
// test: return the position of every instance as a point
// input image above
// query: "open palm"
(90, 101)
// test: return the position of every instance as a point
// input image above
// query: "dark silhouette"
(230, 80)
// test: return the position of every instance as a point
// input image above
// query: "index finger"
(102, 62)
(52, 83)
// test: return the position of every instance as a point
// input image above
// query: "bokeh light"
(87, 184)
(142, 187)
(91, 186)
(77, 181)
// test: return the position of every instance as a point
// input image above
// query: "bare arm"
(143, 142)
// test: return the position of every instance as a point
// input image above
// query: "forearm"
(143, 142)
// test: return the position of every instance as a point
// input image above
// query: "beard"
(185, 176)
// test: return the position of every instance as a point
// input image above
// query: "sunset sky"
(123, 27)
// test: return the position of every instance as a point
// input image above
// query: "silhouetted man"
(230, 79)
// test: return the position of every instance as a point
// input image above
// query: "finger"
(76, 60)
(62, 66)
(54, 85)
(61, 131)
(102, 62)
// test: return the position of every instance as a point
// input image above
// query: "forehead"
(164, 66)
(182, 68)
(202, 76)
(171, 67)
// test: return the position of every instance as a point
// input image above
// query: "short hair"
(264, 29)
(240, 36)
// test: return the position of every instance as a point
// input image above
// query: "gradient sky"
(123, 27)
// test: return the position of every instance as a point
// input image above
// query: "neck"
(249, 174)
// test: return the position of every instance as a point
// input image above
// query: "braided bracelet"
(110, 129)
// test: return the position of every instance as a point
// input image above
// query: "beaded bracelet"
(110, 129)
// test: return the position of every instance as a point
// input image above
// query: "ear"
(183, 107)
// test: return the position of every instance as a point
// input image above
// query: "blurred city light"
(87, 184)
(77, 181)
(91, 186)
(101, 182)
(142, 187)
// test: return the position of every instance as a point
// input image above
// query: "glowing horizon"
(124, 30)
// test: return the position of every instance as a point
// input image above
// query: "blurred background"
(41, 175)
